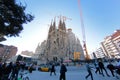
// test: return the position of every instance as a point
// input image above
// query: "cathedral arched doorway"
(55, 59)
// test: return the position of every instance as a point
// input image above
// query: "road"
(73, 73)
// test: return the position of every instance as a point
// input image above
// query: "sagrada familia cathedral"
(61, 44)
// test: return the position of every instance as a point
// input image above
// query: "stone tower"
(56, 42)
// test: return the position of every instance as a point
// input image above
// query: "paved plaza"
(73, 73)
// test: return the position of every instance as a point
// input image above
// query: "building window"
(118, 44)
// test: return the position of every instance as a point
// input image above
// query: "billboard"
(76, 55)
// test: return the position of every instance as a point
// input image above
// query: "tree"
(12, 18)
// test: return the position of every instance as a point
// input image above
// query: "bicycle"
(23, 76)
(12, 76)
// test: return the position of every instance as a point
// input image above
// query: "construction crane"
(87, 57)
(64, 18)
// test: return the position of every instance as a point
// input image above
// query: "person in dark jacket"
(111, 67)
(97, 67)
(1, 74)
(63, 70)
(102, 67)
(16, 68)
(52, 70)
(5, 72)
(9, 69)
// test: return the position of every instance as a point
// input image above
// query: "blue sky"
(101, 18)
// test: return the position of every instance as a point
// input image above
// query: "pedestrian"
(118, 63)
(23, 64)
(52, 70)
(4, 72)
(1, 71)
(30, 68)
(102, 67)
(9, 69)
(97, 67)
(111, 67)
(63, 70)
(16, 68)
(88, 67)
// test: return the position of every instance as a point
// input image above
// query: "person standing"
(52, 70)
(88, 67)
(63, 70)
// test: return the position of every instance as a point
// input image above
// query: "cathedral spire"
(50, 29)
(60, 24)
(64, 26)
(54, 24)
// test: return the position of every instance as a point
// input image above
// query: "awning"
(67, 61)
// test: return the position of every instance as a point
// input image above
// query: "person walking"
(102, 67)
(31, 68)
(63, 70)
(88, 67)
(118, 63)
(111, 67)
(97, 67)
(52, 70)
(15, 71)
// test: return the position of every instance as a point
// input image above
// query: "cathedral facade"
(61, 44)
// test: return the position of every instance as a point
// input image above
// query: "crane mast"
(87, 57)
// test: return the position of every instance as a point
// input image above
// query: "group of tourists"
(101, 68)
(11, 70)
(7, 68)
(8, 71)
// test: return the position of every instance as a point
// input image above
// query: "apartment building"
(111, 45)
(7, 52)
(99, 53)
